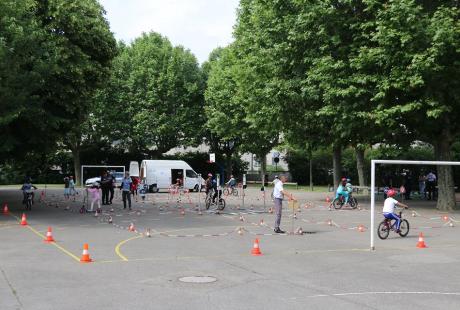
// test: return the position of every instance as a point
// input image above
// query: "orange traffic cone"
(421, 243)
(256, 249)
(49, 236)
(328, 200)
(5, 209)
(23, 220)
(361, 228)
(85, 256)
(131, 227)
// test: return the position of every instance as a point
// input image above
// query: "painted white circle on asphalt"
(198, 279)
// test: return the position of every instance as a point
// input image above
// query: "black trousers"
(112, 192)
(126, 195)
(105, 195)
(430, 188)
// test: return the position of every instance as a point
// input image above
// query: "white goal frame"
(396, 162)
(97, 166)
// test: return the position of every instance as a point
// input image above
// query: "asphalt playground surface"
(327, 266)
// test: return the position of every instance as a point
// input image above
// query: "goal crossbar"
(396, 162)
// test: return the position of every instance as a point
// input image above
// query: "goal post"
(374, 162)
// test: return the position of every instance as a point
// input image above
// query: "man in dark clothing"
(111, 178)
(408, 184)
(106, 184)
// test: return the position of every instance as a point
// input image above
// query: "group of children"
(130, 186)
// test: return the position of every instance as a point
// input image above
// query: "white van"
(161, 174)
(134, 169)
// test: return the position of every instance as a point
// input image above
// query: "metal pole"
(372, 203)
(81, 177)
(263, 186)
(199, 193)
(244, 185)
(218, 191)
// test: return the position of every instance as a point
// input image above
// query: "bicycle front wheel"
(337, 203)
(226, 192)
(383, 230)
(235, 192)
(221, 205)
(404, 228)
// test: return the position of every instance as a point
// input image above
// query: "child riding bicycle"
(342, 190)
(389, 208)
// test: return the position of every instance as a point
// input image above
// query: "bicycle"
(339, 202)
(209, 201)
(230, 190)
(386, 225)
(29, 199)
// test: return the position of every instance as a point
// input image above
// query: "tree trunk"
(263, 167)
(311, 173)
(77, 165)
(360, 166)
(337, 165)
(446, 190)
(228, 165)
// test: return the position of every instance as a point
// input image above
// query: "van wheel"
(196, 188)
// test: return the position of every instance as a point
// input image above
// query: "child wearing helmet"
(389, 208)
(342, 190)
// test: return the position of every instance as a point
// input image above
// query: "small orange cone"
(23, 220)
(421, 243)
(5, 209)
(131, 227)
(256, 249)
(85, 256)
(361, 228)
(328, 200)
(49, 236)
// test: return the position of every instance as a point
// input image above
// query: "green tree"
(413, 55)
(154, 99)
(53, 55)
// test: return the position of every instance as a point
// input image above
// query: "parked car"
(117, 174)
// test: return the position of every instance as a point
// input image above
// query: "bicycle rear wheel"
(383, 230)
(404, 228)
(353, 202)
(235, 192)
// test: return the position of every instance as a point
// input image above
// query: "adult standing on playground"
(422, 185)
(106, 183)
(112, 181)
(278, 196)
(430, 184)
(126, 190)
(66, 188)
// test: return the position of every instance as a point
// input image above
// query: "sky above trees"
(199, 25)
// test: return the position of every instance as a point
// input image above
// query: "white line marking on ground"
(385, 293)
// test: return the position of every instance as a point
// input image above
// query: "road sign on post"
(212, 157)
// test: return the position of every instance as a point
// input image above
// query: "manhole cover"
(198, 279)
